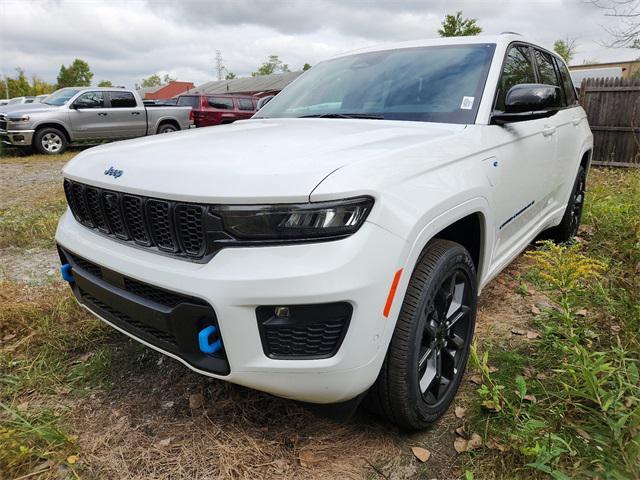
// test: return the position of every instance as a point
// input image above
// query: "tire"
(426, 361)
(50, 141)
(568, 227)
(167, 128)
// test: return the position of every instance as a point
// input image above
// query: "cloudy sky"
(124, 41)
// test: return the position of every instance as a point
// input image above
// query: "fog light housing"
(303, 331)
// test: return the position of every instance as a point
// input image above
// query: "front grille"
(309, 331)
(171, 227)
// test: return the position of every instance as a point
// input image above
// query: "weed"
(573, 410)
(29, 438)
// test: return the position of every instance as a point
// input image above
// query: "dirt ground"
(157, 419)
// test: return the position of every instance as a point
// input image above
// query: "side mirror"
(528, 101)
(263, 101)
(82, 104)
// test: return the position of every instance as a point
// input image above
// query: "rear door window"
(122, 100)
(188, 101)
(221, 103)
(245, 104)
(567, 83)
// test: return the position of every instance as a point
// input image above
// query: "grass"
(567, 404)
(26, 156)
(52, 350)
(33, 223)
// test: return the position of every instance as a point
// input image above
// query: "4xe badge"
(113, 172)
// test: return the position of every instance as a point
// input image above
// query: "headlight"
(23, 118)
(295, 221)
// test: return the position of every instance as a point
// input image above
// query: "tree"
(78, 74)
(230, 76)
(456, 26)
(40, 87)
(565, 48)
(19, 86)
(627, 33)
(155, 81)
(152, 81)
(306, 67)
(105, 83)
(272, 65)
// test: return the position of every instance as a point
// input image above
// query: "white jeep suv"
(333, 247)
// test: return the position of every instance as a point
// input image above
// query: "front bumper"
(236, 281)
(20, 138)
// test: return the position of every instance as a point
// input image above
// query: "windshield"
(430, 84)
(60, 97)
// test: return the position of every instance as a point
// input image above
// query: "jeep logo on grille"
(113, 172)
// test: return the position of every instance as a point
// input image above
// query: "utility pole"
(219, 66)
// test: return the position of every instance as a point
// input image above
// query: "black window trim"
(530, 47)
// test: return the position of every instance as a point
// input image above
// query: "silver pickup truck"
(85, 114)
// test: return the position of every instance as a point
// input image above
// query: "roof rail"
(510, 33)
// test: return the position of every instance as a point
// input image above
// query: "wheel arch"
(57, 126)
(167, 121)
(466, 224)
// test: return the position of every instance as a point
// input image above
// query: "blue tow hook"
(203, 340)
(65, 271)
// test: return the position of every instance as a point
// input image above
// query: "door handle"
(102, 114)
(576, 121)
(548, 131)
(135, 113)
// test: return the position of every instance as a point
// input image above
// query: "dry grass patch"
(32, 221)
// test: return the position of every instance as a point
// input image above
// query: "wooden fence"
(613, 110)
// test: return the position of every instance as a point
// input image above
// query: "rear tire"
(167, 128)
(429, 349)
(570, 223)
(49, 141)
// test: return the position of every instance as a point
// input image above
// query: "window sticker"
(467, 103)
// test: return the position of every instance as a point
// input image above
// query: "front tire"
(429, 349)
(50, 141)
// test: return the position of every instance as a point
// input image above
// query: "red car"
(218, 109)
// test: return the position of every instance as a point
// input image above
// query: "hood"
(253, 161)
(25, 108)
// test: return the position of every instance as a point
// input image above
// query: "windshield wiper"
(371, 116)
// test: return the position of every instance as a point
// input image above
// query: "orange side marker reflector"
(392, 292)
